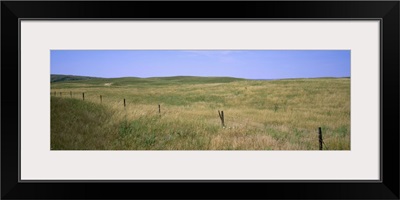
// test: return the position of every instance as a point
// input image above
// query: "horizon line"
(206, 77)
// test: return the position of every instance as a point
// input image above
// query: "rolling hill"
(78, 81)
(61, 77)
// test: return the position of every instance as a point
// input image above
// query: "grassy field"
(259, 115)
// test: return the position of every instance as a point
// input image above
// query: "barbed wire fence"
(75, 95)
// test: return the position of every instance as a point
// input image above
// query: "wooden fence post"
(101, 99)
(221, 116)
(70, 93)
(320, 138)
(124, 103)
(159, 108)
(83, 96)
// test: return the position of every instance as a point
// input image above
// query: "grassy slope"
(77, 124)
(281, 114)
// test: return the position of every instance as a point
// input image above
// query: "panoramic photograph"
(200, 99)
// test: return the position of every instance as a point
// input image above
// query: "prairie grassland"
(259, 115)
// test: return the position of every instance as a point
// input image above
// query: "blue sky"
(250, 64)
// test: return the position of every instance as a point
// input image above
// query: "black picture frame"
(386, 11)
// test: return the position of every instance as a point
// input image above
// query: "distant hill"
(59, 80)
(135, 80)
(61, 77)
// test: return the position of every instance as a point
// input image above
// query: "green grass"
(259, 115)
(76, 124)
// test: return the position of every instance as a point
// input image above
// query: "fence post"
(83, 96)
(159, 108)
(320, 138)
(124, 103)
(101, 99)
(221, 116)
(70, 93)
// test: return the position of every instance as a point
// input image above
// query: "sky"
(249, 64)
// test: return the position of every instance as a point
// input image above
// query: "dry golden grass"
(259, 115)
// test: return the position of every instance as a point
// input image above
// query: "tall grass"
(259, 115)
